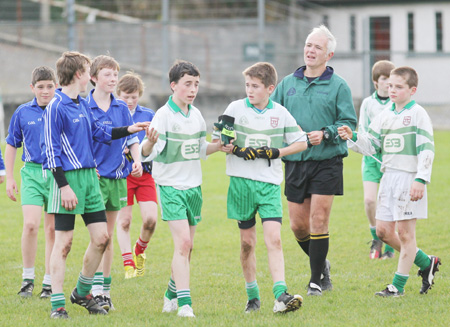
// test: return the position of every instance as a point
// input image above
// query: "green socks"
(400, 281)
(279, 288)
(84, 285)
(171, 292)
(373, 231)
(422, 260)
(252, 290)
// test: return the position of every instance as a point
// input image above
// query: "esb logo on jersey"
(190, 149)
(257, 140)
(407, 120)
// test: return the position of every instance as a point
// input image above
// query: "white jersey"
(270, 127)
(181, 143)
(404, 139)
(370, 108)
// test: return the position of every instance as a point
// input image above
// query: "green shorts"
(84, 183)
(114, 192)
(34, 186)
(371, 169)
(181, 204)
(246, 197)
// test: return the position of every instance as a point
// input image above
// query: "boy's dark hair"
(100, 62)
(409, 74)
(382, 68)
(42, 73)
(130, 83)
(265, 71)
(69, 64)
(181, 68)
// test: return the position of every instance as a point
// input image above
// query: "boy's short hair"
(130, 83)
(69, 64)
(42, 73)
(100, 62)
(181, 68)
(409, 74)
(265, 71)
(382, 68)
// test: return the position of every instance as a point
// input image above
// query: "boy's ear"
(271, 88)
(413, 90)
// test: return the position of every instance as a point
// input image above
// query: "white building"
(409, 33)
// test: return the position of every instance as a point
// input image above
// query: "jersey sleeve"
(202, 142)
(424, 146)
(100, 132)
(2, 165)
(53, 135)
(128, 120)
(15, 136)
(292, 132)
(159, 124)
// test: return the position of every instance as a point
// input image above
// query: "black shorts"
(246, 224)
(66, 222)
(304, 178)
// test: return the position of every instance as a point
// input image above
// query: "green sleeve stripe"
(291, 129)
(425, 146)
(425, 133)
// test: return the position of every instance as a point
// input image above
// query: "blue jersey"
(69, 131)
(2, 165)
(25, 128)
(110, 158)
(142, 114)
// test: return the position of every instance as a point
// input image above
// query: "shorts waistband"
(33, 165)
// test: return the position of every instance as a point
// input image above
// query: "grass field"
(217, 285)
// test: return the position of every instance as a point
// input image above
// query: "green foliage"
(217, 284)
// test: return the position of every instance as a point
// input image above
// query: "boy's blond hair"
(130, 83)
(42, 73)
(69, 64)
(382, 68)
(264, 71)
(409, 74)
(101, 62)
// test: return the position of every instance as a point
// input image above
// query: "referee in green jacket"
(320, 101)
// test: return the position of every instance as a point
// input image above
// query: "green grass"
(217, 284)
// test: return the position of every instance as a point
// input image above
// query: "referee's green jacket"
(324, 103)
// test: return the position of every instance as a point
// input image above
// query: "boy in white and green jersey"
(175, 142)
(403, 134)
(371, 107)
(265, 130)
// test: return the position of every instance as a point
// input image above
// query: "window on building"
(325, 21)
(439, 32)
(410, 32)
(380, 38)
(352, 32)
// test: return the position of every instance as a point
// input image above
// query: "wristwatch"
(326, 134)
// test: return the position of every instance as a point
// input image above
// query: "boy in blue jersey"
(24, 129)
(111, 162)
(130, 89)
(69, 131)
(176, 151)
(2, 169)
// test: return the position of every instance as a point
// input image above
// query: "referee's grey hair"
(331, 44)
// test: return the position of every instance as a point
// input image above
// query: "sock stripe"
(320, 236)
(305, 239)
